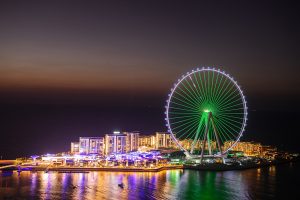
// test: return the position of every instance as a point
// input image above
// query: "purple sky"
(84, 68)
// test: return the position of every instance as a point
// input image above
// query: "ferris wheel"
(206, 112)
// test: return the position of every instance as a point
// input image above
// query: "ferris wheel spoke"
(221, 107)
(227, 97)
(225, 117)
(181, 113)
(182, 117)
(223, 123)
(203, 86)
(217, 91)
(200, 91)
(222, 131)
(234, 121)
(230, 100)
(232, 109)
(212, 85)
(226, 130)
(228, 92)
(183, 103)
(197, 94)
(223, 82)
(215, 87)
(233, 104)
(235, 117)
(183, 124)
(231, 123)
(187, 129)
(186, 96)
(208, 86)
(192, 133)
(226, 124)
(181, 107)
(225, 91)
(184, 109)
(192, 95)
(183, 120)
(189, 102)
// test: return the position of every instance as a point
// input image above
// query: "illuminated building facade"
(249, 148)
(147, 141)
(91, 145)
(159, 140)
(96, 145)
(269, 152)
(75, 147)
(163, 140)
(132, 141)
(187, 144)
(115, 143)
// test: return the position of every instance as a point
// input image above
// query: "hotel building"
(163, 140)
(187, 144)
(249, 148)
(147, 141)
(115, 143)
(91, 145)
(132, 141)
(74, 147)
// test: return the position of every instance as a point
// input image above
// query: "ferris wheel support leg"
(209, 144)
(203, 144)
(197, 136)
(217, 134)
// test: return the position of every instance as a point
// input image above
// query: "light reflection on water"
(265, 183)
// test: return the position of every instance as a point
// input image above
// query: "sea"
(274, 182)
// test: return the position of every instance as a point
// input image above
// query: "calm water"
(277, 182)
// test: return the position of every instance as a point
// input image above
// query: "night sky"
(86, 68)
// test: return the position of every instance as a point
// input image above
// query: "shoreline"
(223, 167)
(209, 167)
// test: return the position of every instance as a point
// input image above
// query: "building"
(163, 140)
(132, 141)
(147, 141)
(187, 144)
(115, 143)
(96, 145)
(249, 148)
(269, 152)
(91, 145)
(75, 147)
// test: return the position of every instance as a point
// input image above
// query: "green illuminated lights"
(206, 105)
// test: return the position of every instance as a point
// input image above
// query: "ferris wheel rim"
(183, 77)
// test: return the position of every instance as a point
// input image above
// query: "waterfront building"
(269, 152)
(187, 144)
(249, 148)
(163, 140)
(96, 145)
(84, 145)
(75, 147)
(147, 141)
(132, 141)
(115, 143)
(91, 145)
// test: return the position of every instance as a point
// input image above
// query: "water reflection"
(174, 184)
